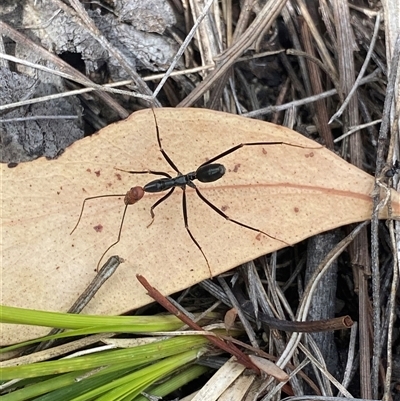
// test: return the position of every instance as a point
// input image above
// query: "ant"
(205, 173)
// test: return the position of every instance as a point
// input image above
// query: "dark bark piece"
(324, 298)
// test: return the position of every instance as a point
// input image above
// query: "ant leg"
(145, 172)
(185, 219)
(241, 145)
(116, 242)
(161, 200)
(83, 206)
(221, 213)
(163, 152)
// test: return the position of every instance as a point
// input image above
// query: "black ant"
(206, 172)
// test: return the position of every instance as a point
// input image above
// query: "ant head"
(133, 195)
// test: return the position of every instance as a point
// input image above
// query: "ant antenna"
(131, 197)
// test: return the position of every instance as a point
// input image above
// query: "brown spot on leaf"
(236, 168)
(258, 237)
(296, 209)
(311, 154)
(264, 151)
(97, 173)
(88, 170)
(119, 178)
(224, 208)
(12, 165)
(98, 228)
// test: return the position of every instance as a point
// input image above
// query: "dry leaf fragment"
(230, 318)
(269, 368)
(290, 193)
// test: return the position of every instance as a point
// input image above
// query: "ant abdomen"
(210, 172)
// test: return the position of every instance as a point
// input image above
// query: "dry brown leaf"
(269, 368)
(230, 318)
(290, 193)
